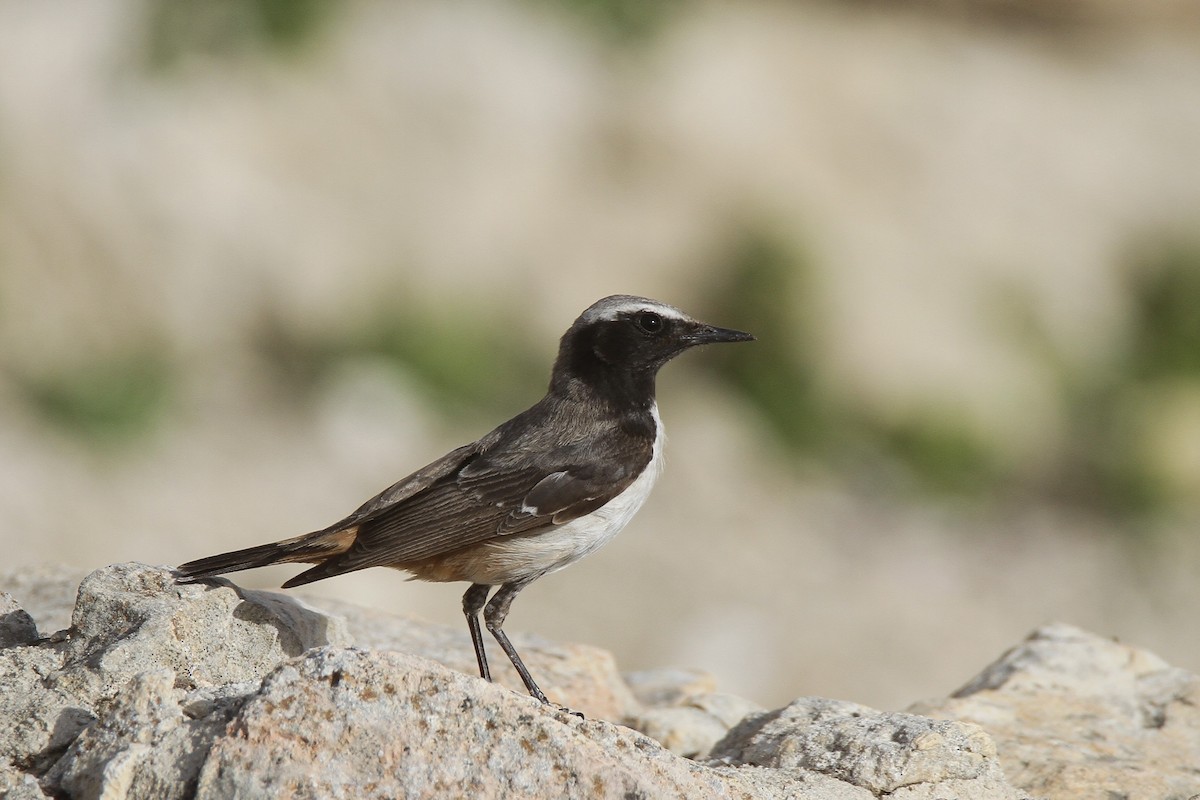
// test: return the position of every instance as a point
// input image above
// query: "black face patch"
(636, 342)
(616, 347)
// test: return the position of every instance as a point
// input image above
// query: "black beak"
(709, 334)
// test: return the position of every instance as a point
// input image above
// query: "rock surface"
(881, 752)
(16, 625)
(159, 690)
(577, 676)
(1075, 715)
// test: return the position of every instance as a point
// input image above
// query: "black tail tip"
(183, 575)
(196, 572)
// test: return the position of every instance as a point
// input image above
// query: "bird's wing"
(492, 494)
(415, 483)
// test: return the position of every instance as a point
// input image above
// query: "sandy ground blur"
(475, 153)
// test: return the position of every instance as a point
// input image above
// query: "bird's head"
(622, 338)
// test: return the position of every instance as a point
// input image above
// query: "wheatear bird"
(541, 491)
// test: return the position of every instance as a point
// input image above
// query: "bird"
(539, 492)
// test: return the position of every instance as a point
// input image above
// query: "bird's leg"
(473, 602)
(493, 616)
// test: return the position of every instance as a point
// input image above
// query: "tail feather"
(309, 575)
(311, 548)
(327, 568)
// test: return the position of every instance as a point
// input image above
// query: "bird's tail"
(311, 548)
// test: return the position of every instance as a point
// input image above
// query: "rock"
(17, 785)
(16, 626)
(669, 686)
(685, 731)
(694, 723)
(46, 592)
(38, 719)
(881, 752)
(682, 710)
(160, 690)
(728, 709)
(352, 723)
(147, 744)
(129, 619)
(574, 675)
(1075, 715)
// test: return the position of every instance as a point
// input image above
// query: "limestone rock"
(1075, 715)
(38, 719)
(159, 690)
(146, 744)
(353, 723)
(684, 730)
(573, 675)
(693, 723)
(900, 755)
(681, 709)
(17, 785)
(130, 619)
(16, 626)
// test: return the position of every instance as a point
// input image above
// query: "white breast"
(548, 551)
(597, 528)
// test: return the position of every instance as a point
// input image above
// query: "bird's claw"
(566, 710)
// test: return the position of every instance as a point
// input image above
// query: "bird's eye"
(650, 322)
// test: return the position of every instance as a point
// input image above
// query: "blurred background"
(261, 258)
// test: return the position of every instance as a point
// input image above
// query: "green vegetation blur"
(1103, 462)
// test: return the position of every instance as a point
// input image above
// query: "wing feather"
(502, 485)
